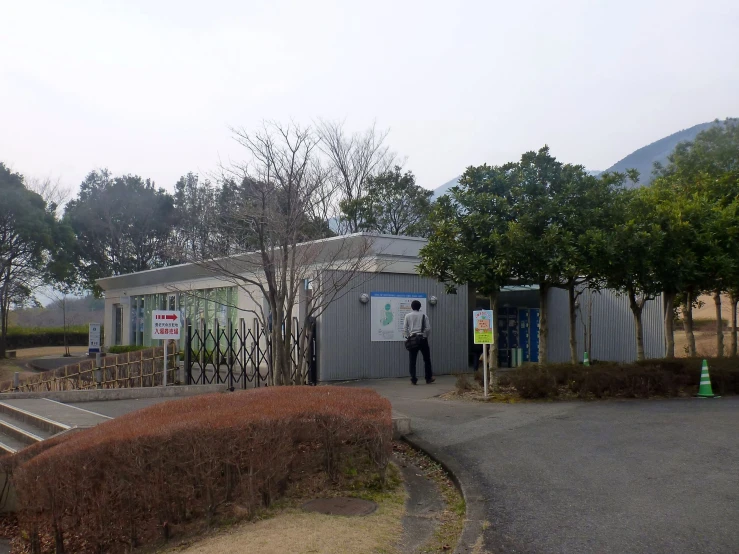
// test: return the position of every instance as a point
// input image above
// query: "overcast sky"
(151, 87)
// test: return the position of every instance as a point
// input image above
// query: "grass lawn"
(9, 366)
(297, 532)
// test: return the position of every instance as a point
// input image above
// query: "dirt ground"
(298, 532)
(704, 319)
(10, 366)
(708, 310)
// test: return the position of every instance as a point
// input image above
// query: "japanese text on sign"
(165, 324)
(482, 324)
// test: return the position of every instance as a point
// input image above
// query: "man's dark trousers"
(426, 353)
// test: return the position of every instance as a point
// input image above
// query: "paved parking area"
(654, 476)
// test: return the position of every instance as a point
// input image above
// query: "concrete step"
(57, 416)
(9, 444)
(29, 419)
(21, 430)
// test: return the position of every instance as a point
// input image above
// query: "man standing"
(417, 326)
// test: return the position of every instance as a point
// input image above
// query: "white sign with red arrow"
(165, 324)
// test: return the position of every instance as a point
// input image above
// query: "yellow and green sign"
(482, 323)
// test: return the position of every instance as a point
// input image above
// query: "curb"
(462, 479)
(96, 395)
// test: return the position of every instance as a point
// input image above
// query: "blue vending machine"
(504, 353)
(534, 334)
(523, 333)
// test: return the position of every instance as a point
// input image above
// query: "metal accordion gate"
(241, 356)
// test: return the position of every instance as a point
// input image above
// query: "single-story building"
(359, 334)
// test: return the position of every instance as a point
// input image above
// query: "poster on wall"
(388, 311)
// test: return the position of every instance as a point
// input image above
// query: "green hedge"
(659, 377)
(30, 337)
(122, 349)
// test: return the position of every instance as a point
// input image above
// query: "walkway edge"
(462, 479)
(96, 395)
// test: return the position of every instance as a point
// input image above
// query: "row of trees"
(36, 247)
(295, 184)
(539, 221)
(125, 223)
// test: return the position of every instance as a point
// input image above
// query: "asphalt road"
(654, 476)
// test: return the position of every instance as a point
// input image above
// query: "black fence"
(241, 356)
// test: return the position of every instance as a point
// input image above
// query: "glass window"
(118, 331)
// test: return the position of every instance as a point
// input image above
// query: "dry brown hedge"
(655, 377)
(133, 480)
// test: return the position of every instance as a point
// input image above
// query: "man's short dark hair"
(415, 305)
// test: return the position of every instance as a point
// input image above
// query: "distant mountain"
(443, 189)
(641, 160)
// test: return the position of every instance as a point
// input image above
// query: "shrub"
(135, 480)
(463, 383)
(30, 337)
(655, 377)
(122, 349)
(531, 382)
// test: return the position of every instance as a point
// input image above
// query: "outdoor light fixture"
(364, 298)
(433, 300)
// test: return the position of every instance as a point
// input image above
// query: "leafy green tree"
(632, 253)
(123, 225)
(679, 259)
(585, 207)
(539, 244)
(705, 175)
(195, 214)
(28, 227)
(392, 204)
(465, 243)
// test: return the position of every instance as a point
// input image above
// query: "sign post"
(482, 324)
(165, 326)
(93, 343)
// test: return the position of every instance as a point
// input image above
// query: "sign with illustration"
(388, 311)
(482, 325)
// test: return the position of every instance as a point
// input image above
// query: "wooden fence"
(143, 368)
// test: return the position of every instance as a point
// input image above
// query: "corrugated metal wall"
(613, 334)
(345, 348)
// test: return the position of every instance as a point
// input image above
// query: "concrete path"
(54, 362)
(115, 408)
(422, 509)
(654, 476)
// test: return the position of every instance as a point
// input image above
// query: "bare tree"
(284, 198)
(51, 190)
(354, 159)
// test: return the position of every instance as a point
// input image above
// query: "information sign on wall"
(482, 325)
(388, 311)
(93, 343)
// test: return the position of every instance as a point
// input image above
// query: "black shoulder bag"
(414, 341)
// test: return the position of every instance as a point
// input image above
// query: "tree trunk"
(719, 325)
(543, 322)
(733, 299)
(669, 324)
(493, 361)
(636, 310)
(3, 328)
(64, 323)
(687, 311)
(573, 324)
